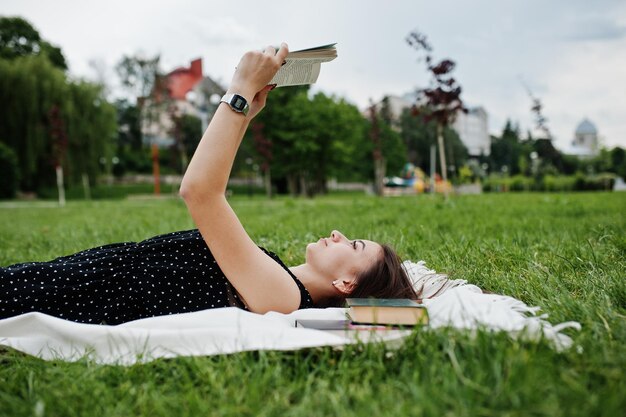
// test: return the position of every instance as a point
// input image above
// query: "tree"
(377, 155)
(618, 161)
(187, 132)
(139, 74)
(18, 38)
(129, 123)
(36, 98)
(306, 140)
(47, 119)
(443, 98)
(506, 150)
(263, 148)
(418, 136)
(143, 79)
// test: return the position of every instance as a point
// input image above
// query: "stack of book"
(374, 314)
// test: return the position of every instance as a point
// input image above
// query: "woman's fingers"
(282, 52)
(256, 69)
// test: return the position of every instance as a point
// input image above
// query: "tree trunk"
(379, 175)
(292, 184)
(442, 159)
(304, 186)
(155, 169)
(433, 167)
(60, 187)
(86, 189)
(268, 183)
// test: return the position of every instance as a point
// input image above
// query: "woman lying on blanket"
(217, 265)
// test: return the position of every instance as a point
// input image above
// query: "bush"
(9, 172)
(103, 191)
(551, 183)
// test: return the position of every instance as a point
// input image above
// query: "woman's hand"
(258, 102)
(255, 70)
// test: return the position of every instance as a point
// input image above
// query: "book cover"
(387, 311)
(323, 324)
(346, 324)
(381, 302)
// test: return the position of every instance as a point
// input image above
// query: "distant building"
(189, 92)
(585, 143)
(472, 128)
(396, 106)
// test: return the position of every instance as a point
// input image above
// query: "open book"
(303, 66)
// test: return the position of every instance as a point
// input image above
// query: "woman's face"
(338, 257)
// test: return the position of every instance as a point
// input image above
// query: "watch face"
(238, 102)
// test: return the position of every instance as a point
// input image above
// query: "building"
(188, 92)
(585, 143)
(472, 128)
(395, 106)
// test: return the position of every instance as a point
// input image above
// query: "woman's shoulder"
(306, 301)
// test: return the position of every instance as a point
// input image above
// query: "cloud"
(223, 30)
(596, 29)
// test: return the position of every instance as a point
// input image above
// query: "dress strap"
(305, 297)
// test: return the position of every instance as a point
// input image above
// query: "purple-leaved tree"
(441, 101)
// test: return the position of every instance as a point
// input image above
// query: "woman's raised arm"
(263, 284)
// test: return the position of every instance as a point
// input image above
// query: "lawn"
(563, 252)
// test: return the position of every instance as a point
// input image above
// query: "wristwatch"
(237, 103)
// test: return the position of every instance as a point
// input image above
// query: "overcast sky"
(572, 53)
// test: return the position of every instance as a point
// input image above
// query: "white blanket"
(207, 332)
(229, 330)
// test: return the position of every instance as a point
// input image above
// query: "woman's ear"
(344, 286)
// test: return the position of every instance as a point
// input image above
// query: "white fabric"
(429, 283)
(207, 332)
(229, 330)
(455, 303)
(464, 308)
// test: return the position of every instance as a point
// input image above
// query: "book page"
(297, 72)
(303, 66)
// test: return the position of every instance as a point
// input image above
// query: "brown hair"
(386, 278)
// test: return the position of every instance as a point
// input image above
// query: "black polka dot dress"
(112, 284)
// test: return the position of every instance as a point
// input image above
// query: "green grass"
(564, 252)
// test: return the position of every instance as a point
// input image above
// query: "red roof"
(182, 80)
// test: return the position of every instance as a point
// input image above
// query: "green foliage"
(29, 88)
(190, 130)
(550, 182)
(129, 125)
(419, 136)
(313, 139)
(139, 74)
(509, 153)
(32, 85)
(104, 192)
(563, 252)
(18, 38)
(9, 172)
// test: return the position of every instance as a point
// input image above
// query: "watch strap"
(236, 102)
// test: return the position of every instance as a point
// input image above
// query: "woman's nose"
(336, 235)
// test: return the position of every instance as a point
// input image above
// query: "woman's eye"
(354, 244)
